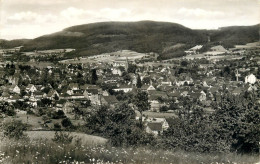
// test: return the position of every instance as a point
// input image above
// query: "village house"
(124, 87)
(31, 88)
(109, 100)
(156, 126)
(117, 71)
(53, 94)
(147, 88)
(93, 96)
(15, 89)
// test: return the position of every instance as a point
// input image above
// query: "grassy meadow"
(44, 151)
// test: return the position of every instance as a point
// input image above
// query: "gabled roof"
(51, 93)
(125, 86)
(73, 85)
(29, 86)
(62, 101)
(145, 87)
(174, 94)
(155, 126)
(16, 97)
(110, 99)
(38, 93)
(92, 91)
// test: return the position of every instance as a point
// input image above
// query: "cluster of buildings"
(69, 85)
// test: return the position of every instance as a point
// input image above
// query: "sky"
(33, 18)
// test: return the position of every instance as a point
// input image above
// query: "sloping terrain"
(143, 36)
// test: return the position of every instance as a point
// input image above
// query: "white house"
(124, 88)
(31, 88)
(15, 89)
(117, 71)
(251, 79)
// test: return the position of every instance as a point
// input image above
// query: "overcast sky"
(33, 18)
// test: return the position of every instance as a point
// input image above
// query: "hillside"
(13, 43)
(143, 36)
(235, 35)
(96, 38)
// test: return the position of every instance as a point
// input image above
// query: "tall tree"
(94, 76)
(139, 82)
(140, 100)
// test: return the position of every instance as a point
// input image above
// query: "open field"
(36, 123)
(77, 61)
(85, 139)
(213, 57)
(118, 55)
(107, 57)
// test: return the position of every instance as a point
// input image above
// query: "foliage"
(94, 76)
(140, 100)
(14, 129)
(164, 108)
(132, 68)
(57, 127)
(7, 109)
(66, 123)
(233, 126)
(139, 82)
(119, 126)
(62, 137)
(57, 114)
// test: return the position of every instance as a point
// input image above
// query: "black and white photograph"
(129, 81)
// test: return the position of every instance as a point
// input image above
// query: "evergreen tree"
(94, 76)
(139, 82)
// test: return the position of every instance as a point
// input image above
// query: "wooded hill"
(143, 36)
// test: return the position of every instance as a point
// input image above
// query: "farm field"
(107, 57)
(213, 57)
(118, 55)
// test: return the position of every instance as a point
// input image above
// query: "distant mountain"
(143, 36)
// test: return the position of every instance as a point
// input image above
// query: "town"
(43, 86)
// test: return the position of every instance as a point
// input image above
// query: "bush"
(62, 137)
(14, 129)
(164, 109)
(57, 115)
(66, 123)
(57, 126)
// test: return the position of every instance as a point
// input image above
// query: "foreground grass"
(44, 151)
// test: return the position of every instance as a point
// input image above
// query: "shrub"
(66, 123)
(164, 109)
(57, 126)
(14, 129)
(62, 137)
